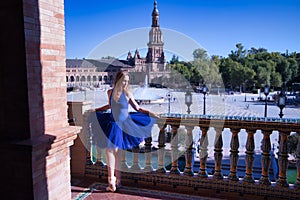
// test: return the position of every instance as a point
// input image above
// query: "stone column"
(189, 153)
(161, 148)
(79, 113)
(148, 145)
(218, 154)
(234, 155)
(250, 146)
(283, 160)
(174, 150)
(203, 153)
(266, 159)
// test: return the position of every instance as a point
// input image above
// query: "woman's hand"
(153, 114)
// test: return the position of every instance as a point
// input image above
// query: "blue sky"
(216, 25)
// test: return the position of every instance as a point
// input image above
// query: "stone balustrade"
(231, 184)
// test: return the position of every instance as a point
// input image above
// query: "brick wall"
(45, 55)
(46, 71)
(35, 136)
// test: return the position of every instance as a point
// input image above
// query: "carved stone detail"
(161, 149)
(250, 146)
(174, 150)
(234, 155)
(218, 154)
(203, 153)
(148, 164)
(189, 153)
(266, 159)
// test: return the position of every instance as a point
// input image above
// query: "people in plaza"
(121, 130)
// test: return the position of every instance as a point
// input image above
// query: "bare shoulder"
(130, 95)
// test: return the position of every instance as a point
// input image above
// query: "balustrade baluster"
(250, 146)
(135, 166)
(89, 157)
(124, 166)
(174, 150)
(265, 159)
(283, 160)
(297, 184)
(161, 149)
(218, 154)
(203, 153)
(148, 144)
(234, 155)
(189, 153)
(99, 161)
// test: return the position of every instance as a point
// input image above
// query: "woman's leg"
(111, 162)
(118, 157)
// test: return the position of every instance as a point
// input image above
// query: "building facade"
(94, 73)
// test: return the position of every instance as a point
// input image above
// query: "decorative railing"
(231, 183)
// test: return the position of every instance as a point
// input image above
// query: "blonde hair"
(118, 86)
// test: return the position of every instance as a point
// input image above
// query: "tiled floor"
(89, 189)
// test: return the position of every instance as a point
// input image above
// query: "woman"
(121, 130)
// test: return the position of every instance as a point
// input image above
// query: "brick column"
(35, 135)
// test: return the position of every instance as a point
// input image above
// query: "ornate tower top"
(155, 45)
(155, 15)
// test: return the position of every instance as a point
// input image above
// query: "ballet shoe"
(111, 185)
(111, 188)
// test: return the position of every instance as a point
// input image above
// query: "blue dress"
(120, 128)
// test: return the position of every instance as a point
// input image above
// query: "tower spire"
(155, 15)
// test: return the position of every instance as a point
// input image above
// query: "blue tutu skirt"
(127, 134)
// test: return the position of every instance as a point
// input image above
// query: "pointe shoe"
(111, 185)
(111, 188)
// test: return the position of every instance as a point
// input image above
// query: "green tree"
(239, 54)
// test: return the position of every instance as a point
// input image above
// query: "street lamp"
(266, 92)
(245, 89)
(204, 92)
(188, 100)
(281, 102)
(281, 105)
(169, 97)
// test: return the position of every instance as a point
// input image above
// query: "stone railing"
(215, 184)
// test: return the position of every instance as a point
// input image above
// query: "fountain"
(144, 94)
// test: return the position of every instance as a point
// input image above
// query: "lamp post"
(188, 100)
(204, 92)
(169, 97)
(266, 92)
(281, 103)
(245, 89)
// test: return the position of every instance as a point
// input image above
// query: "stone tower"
(155, 57)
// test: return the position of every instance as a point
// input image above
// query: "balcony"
(221, 173)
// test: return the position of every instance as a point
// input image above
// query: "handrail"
(217, 181)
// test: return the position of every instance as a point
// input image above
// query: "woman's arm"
(136, 107)
(133, 103)
(103, 108)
